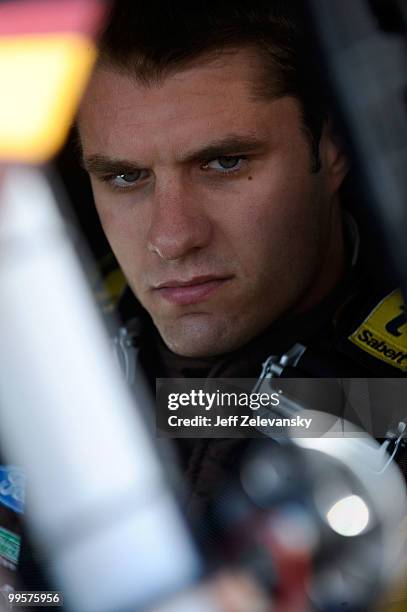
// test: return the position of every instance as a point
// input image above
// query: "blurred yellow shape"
(42, 78)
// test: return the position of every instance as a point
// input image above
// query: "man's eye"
(127, 179)
(225, 164)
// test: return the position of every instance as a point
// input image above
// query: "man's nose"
(178, 225)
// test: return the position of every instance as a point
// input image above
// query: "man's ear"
(334, 163)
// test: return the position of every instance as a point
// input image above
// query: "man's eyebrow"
(231, 145)
(101, 164)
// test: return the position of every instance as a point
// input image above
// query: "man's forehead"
(113, 89)
(188, 113)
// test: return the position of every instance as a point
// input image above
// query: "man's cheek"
(103, 207)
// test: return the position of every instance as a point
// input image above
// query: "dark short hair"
(152, 38)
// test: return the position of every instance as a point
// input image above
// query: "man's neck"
(332, 267)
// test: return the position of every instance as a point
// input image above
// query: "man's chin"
(197, 335)
(193, 347)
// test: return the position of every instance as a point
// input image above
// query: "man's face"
(206, 195)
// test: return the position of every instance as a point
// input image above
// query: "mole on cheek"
(250, 178)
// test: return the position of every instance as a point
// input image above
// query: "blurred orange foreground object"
(46, 55)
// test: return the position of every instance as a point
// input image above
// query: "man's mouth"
(196, 289)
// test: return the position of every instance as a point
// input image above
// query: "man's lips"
(190, 291)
